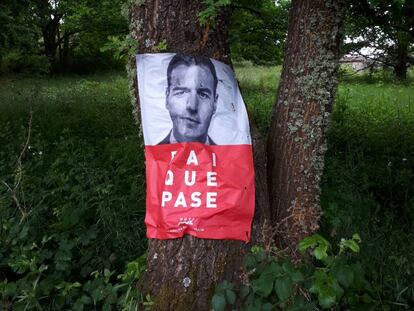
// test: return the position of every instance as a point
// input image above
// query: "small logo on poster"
(186, 221)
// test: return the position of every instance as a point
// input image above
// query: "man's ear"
(167, 92)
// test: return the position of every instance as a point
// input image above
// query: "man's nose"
(192, 102)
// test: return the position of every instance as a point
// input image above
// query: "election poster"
(199, 162)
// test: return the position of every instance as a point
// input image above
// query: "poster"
(199, 162)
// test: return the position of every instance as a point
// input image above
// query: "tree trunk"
(203, 262)
(65, 53)
(402, 58)
(50, 19)
(297, 140)
(49, 42)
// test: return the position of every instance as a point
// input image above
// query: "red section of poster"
(206, 191)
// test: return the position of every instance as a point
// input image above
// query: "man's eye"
(178, 93)
(204, 95)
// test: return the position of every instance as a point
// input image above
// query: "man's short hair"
(190, 60)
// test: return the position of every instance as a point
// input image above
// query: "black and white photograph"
(187, 98)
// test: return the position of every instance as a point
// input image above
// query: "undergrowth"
(80, 188)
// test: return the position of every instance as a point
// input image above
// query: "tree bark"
(297, 140)
(49, 23)
(203, 262)
(402, 58)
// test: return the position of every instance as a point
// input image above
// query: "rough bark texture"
(297, 142)
(402, 56)
(201, 262)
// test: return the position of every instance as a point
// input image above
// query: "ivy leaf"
(218, 302)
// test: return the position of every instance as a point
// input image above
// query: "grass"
(84, 144)
(83, 176)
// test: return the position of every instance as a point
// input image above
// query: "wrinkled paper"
(199, 162)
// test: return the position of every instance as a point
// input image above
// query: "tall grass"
(83, 151)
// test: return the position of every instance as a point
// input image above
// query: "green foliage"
(368, 182)
(66, 34)
(385, 27)
(93, 22)
(277, 284)
(160, 46)
(18, 39)
(121, 48)
(257, 85)
(209, 14)
(258, 31)
(367, 185)
(81, 188)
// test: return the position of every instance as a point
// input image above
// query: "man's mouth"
(192, 120)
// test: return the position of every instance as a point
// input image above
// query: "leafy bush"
(271, 283)
(73, 219)
(16, 62)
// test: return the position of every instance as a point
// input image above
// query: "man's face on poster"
(191, 101)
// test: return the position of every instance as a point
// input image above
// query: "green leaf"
(316, 241)
(10, 289)
(327, 287)
(326, 298)
(344, 275)
(249, 261)
(356, 237)
(78, 306)
(230, 296)
(300, 304)
(297, 277)
(244, 291)
(267, 307)
(218, 302)
(352, 245)
(311, 241)
(320, 252)
(264, 284)
(260, 256)
(283, 288)
(224, 285)
(288, 267)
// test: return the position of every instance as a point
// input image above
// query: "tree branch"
(18, 174)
